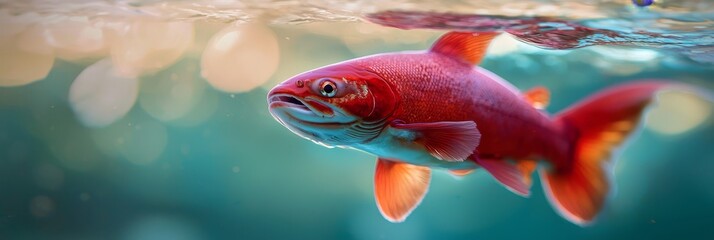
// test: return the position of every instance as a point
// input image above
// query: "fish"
(437, 109)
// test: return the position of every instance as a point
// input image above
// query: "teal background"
(237, 174)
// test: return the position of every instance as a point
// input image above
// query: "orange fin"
(579, 190)
(461, 172)
(449, 141)
(538, 97)
(508, 174)
(527, 167)
(467, 47)
(399, 188)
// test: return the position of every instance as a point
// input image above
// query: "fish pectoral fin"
(538, 97)
(399, 188)
(449, 141)
(516, 177)
(468, 47)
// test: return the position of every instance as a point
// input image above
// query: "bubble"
(677, 112)
(240, 58)
(172, 93)
(236, 169)
(41, 206)
(18, 66)
(49, 177)
(147, 46)
(99, 96)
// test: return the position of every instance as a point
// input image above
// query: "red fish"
(433, 109)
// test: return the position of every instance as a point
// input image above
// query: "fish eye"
(328, 88)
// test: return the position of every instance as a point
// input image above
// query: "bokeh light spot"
(148, 46)
(677, 112)
(76, 38)
(240, 58)
(100, 96)
(41, 206)
(172, 93)
(503, 44)
(146, 143)
(19, 66)
(139, 140)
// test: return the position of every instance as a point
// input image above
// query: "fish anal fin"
(509, 174)
(449, 141)
(538, 97)
(527, 167)
(399, 188)
(467, 47)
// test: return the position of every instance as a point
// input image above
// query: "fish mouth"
(303, 119)
(302, 111)
(288, 101)
(289, 109)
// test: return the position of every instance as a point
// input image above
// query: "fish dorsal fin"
(399, 188)
(538, 97)
(467, 47)
(448, 141)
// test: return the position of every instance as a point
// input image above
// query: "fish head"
(337, 105)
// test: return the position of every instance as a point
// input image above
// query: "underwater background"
(139, 120)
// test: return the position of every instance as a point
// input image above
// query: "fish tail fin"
(599, 124)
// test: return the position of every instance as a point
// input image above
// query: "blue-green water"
(216, 165)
